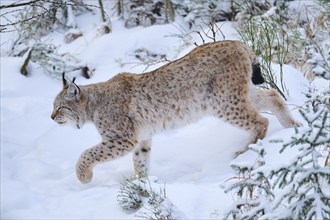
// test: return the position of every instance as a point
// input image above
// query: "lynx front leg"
(104, 151)
(141, 158)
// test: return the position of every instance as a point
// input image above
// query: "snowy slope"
(38, 157)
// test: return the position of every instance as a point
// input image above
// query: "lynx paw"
(237, 153)
(297, 124)
(84, 173)
(292, 123)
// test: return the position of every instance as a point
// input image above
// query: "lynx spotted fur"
(213, 79)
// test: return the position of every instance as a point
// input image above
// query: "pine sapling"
(129, 197)
(252, 188)
(140, 194)
(304, 182)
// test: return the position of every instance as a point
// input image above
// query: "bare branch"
(14, 5)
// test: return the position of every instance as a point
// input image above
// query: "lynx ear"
(65, 82)
(73, 91)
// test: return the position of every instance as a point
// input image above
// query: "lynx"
(214, 79)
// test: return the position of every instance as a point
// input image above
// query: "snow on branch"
(147, 197)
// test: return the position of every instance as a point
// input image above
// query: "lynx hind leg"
(141, 156)
(270, 100)
(244, 116)
(254, 123)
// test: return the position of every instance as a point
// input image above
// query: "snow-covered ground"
(38, 157)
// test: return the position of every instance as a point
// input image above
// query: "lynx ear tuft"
(65, 82)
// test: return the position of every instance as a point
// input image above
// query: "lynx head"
(70, 104)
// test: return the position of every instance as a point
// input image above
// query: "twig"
(13, 5)
(24, 70)
(102, 11)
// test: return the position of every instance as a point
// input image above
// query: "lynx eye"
(62, 108)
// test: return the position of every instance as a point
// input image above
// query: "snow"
(38, 157)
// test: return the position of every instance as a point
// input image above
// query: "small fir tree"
(299, 189)
(140, 194)
(253, 189)
(129, 197)
(305, 182)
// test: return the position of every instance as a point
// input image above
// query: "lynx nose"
(53, 115)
